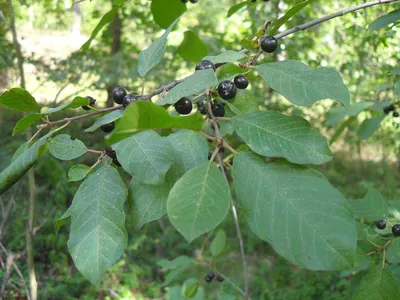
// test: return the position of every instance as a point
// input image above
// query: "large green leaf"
(21, 165)
(143, 115)
(393, 252)
(368, 127)
(19, 99)
(195, 83)
(107, 18)
(146, 156)
(372, 206)
(106, 119)
(199, 201)
(192, 47)
(378, 284)
(276, 135)
(226, 57)
(98, 236)
(384, 21)
(303, 85)
(166, 11)
(152, 56)
(297, 211)
(286, 17)
(244, 103)
(64, 147)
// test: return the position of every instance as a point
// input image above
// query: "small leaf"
(63, 219)
(146, 156)
(303, 85)
(191, 288)
(218, 244)
(384, 21)
(25, 122)
(226, 57)
(19, 99)
(297, 211)
(289, 14)
(180, 261)
(368, 127)
(78, 172)
(75, 103)
(108, 118)
(276, 135)
(98, 236)
(199, 201)
(244, 103)
(152, 56)
(195, 83)
(378, 284)
(166, 11)
(64, 147)
(192, 47)
(372, 206)
(233, 9)
(107, 18)
(143, 115)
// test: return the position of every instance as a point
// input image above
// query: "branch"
(332, 16)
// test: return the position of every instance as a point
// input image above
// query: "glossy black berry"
(128, 99)
(396, 229)
(218, 109)
(381, 224)
(211, 275)
(395, 114)
(227, 90)
(220, 278)
(208, 279)
(202, 107)
(388, 109)
(184, 106)
(241, 82)
(92, 101)
(111, 153)
(205, 64)
(193, 1)
(107, 127)
(118, 95)
(116, 162)
(269, 44)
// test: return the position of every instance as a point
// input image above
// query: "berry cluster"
(391, 108)
(210, 276)
(381, 224)
(120, 96)
(111, 153)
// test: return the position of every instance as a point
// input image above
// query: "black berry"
(396, 229)
(111, 153)
(205, 64)
(202, 107)
(208, 279)
(220, 278)
(193, 1)
(184, 106)
(381, 224)
(395, 114)
(116, 162)
(227, 90)
(184, 1)
(269, 44)
(218, 109)
(241, 82)
(211, 275)
(128, 99)
(92, 101)
(107, 127)
(388, 109)
(118, 95)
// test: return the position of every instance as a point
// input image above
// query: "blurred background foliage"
(51, 33)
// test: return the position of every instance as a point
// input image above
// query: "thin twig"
(380, 249)
(44, 221)
(94, 151)
(208, 137)
(9, 262)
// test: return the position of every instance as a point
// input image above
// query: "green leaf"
(19, 99)
(146, 156)
(303, 85)
(378, 284)
(199, 201)
(195, 83)
(180, 261)
(63, 219)
(108, 118)
(21, 149)
(143, 115)
(372, 206)
(276, 135)
(152, 56)
(75, 103)
(191, 288)
(393, 252)
(218, 244)
(396, 71)
(64, 147)
(192, 47)
(397, 87)
(341, 129)
(98, 236)
(384, 21)
(244, 103)
(286, 17)
(107, 18)
(233, 9)
(226, 57)
(78, 172)
(14, 172)
(368, 127)
(25, 122)
(297, 211)
(166, 11)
